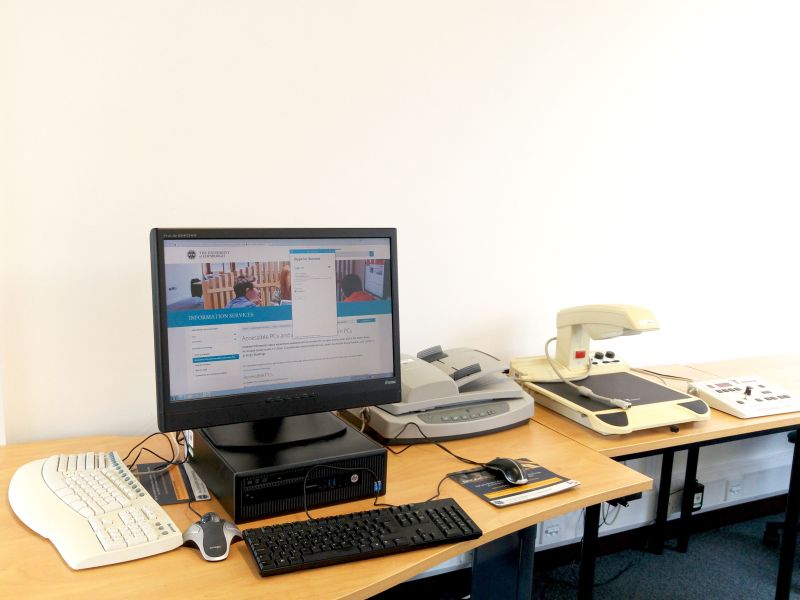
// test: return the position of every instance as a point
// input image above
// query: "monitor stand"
(282, 431)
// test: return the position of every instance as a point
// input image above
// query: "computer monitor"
(374, 281)
(252, 331)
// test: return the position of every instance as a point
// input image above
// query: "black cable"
(375, 478)
(397, 452)
(607, 514)
(523, 461)
(614, 577)
(434, 442)
(191, 508)
(620, 573)
(144, 440)
(170, 461)
(570, 584)
(438, 488)
(375, 481)
(180, 438)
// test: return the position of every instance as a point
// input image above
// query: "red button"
(580, 353)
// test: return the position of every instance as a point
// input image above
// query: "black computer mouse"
(509, 468)
(212, 535)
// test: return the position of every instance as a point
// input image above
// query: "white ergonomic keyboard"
(745, 397)
(92, 508)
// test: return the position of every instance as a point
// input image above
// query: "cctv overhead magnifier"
(597, 389)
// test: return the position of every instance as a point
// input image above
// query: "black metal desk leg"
(789, 539)
(591, 524)
(662, 506)
(503, 568)
(692, 455)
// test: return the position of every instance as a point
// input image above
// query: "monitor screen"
(374, 280)
(257, 324)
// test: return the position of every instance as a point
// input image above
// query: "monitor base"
(282, 431)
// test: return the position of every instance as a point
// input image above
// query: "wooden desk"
(720, 428)
(33, 568)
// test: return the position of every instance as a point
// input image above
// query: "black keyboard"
(355, 536)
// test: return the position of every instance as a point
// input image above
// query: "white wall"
(533, 155)
(2, 419)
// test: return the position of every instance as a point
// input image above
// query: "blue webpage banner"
(260, 314)
(358, 309)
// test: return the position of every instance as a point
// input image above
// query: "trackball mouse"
(212, 535)
(509, 468)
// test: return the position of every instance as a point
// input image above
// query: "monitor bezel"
(254, 406)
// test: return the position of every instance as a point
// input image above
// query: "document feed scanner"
(446, 395)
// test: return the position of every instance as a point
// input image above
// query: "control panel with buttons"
(604, 358)
(471, 412)
(745, 397)
(601, 362)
